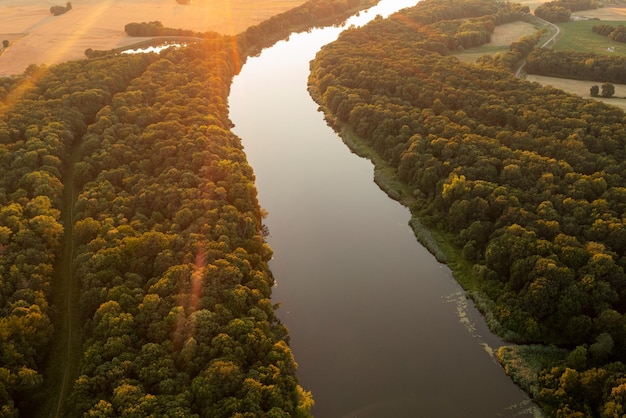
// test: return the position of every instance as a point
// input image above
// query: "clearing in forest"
(581, 88)
(501, 38)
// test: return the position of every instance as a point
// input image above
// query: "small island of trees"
(59, 10)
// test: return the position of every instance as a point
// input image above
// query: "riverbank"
(437, 242)
(521, 363)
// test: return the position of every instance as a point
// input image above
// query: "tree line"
(59, 10)
(478, 25)
(561, 10)
(313, 13)
(576, 65)
(617, 34)
(156, 28)
(528, 179)
(516, 55)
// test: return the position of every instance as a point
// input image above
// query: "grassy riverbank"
(437, 242)
(523, 363)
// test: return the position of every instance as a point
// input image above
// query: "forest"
(527, 181)
(576, 65)
(128, 209)
(167, 242)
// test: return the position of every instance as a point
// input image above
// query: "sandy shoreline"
(37, 37)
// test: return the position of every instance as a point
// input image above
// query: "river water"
(378, 327)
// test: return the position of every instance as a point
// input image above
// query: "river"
(378, 327)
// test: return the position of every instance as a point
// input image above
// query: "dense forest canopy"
(529, 179)
(124, 168)
(171, 257)
(37, 133)
(168, 245)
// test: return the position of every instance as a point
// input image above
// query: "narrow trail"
(62, 364)
(68, 274)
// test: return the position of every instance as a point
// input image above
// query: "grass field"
(578, 36)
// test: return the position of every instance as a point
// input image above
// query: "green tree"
(608, 90)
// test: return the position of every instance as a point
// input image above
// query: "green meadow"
(578, 36)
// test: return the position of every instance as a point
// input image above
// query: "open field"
(578, 36)
(604, 13)
(581, 88)
(37, 37)
(502, 37)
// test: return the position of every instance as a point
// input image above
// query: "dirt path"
(72, 314)
(61, 367)
(66, 350)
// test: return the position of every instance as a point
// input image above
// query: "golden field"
(37, 37)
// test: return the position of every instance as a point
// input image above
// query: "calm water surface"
(378, 327)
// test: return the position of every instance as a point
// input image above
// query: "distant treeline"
(156, 28)
(617, 34)
(314, 13)
(517, 54)
(561, 11)
(577, 65)
(528, 180)
(451, 10)
(59, 10)
(475, 28)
